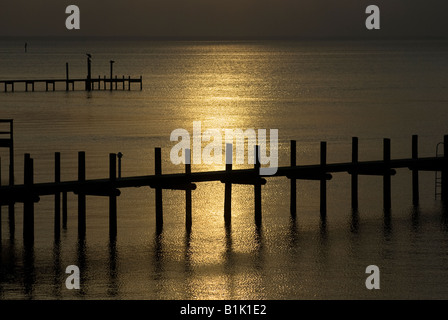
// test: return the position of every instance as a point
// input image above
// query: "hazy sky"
(230, 18)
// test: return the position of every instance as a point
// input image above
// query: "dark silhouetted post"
(323, 181)
(57, 196)
(293, 204)
(111, 72)
(355, 173)
(66, 76)
(415, 191)
(11, 209)
(112, 197)
(445, 171)
(188, 218)
(257, 187)
(141, 83)
(11, 153)
(28, 205)
(159, 201)
(387, 176)
(129, 83)
(64, 209)
(119, 156)
(228, 185)
(89, 73)
(123, 83)
(81, 195)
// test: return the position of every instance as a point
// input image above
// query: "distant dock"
(88, 84)
(100, 83)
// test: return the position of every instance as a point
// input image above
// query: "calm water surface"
(309, 91)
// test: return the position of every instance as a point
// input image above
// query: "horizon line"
(232, 38)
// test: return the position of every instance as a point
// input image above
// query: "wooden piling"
(188, 202)
(81, 196)
(415, 183)
(57, 196)
(89, 75)
(123, 83)
(445, 171)
(257, 187)
(323, 180)
(228, 186)
(386, 177)
(129, 83)
(141, 83)
(354, 173)
(28, 205)
(64, 210)
(159, 201)
(112, 197)
(66, 76)
(293, 181)
(11, 220)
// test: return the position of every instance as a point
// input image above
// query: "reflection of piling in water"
(29, 192)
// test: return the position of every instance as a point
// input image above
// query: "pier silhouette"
(30, 192)
(88, 84)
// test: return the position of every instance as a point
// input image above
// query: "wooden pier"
(29, 192)
(90, 83)
(100, 83)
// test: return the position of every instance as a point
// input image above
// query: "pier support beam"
(28, 205)
(112, 198)
(159, 201)
(415, 187)
(188, 211)
(293, 204)
(354, 174)
(257, 188)
(228, 186)
(323, 180)
(81, 196)
(57, 196)
(387, 176)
